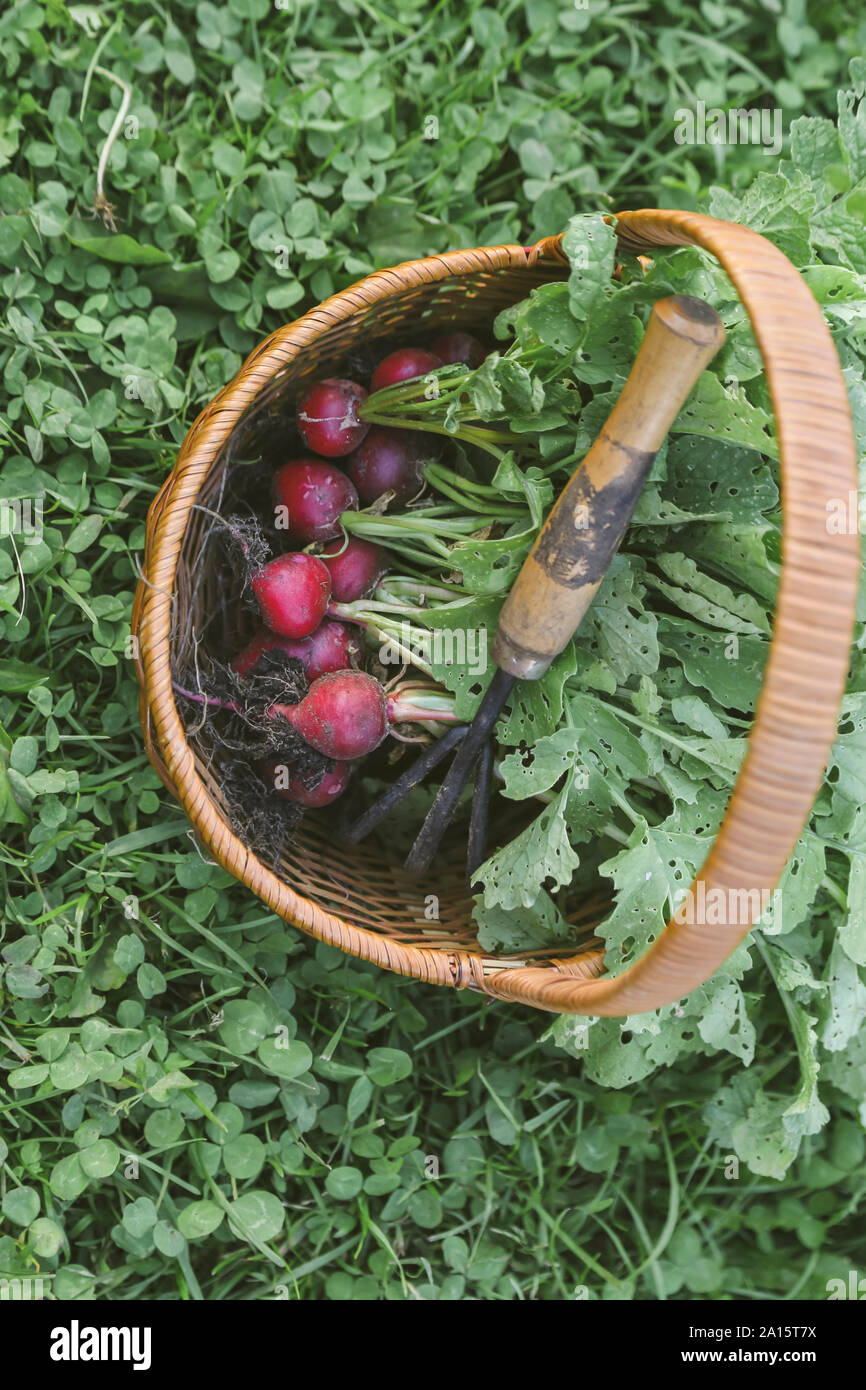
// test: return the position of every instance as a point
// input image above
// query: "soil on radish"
(238, 740)
(263, 822)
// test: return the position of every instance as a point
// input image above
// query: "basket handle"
(795, 720)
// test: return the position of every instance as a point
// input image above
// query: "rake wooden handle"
(562, 573)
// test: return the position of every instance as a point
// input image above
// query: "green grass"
(157, 1141)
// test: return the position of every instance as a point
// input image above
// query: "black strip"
(421, 855)
(573, 556)
(355, 831)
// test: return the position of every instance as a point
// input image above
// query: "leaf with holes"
(541, 856)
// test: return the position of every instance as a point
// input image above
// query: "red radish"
(403, 365)
(292, 787)
(293, 592)
(347, 714)
(246, 661)
(313, 495)
(389, 460)
(332, 647)
(327, 417)
(344, 715)
(356, 568)
(454, 348)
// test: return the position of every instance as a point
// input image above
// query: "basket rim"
(807, 661)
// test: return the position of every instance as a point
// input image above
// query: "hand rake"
(562, 573)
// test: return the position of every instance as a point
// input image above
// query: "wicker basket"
(365, 905)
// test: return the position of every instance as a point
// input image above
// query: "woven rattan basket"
(362, 903)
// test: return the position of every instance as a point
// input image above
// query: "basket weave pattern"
(362, 902)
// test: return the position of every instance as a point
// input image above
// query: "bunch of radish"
(302, 595)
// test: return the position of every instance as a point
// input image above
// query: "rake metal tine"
(439, 816)
(478, 818)
(357, 830)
